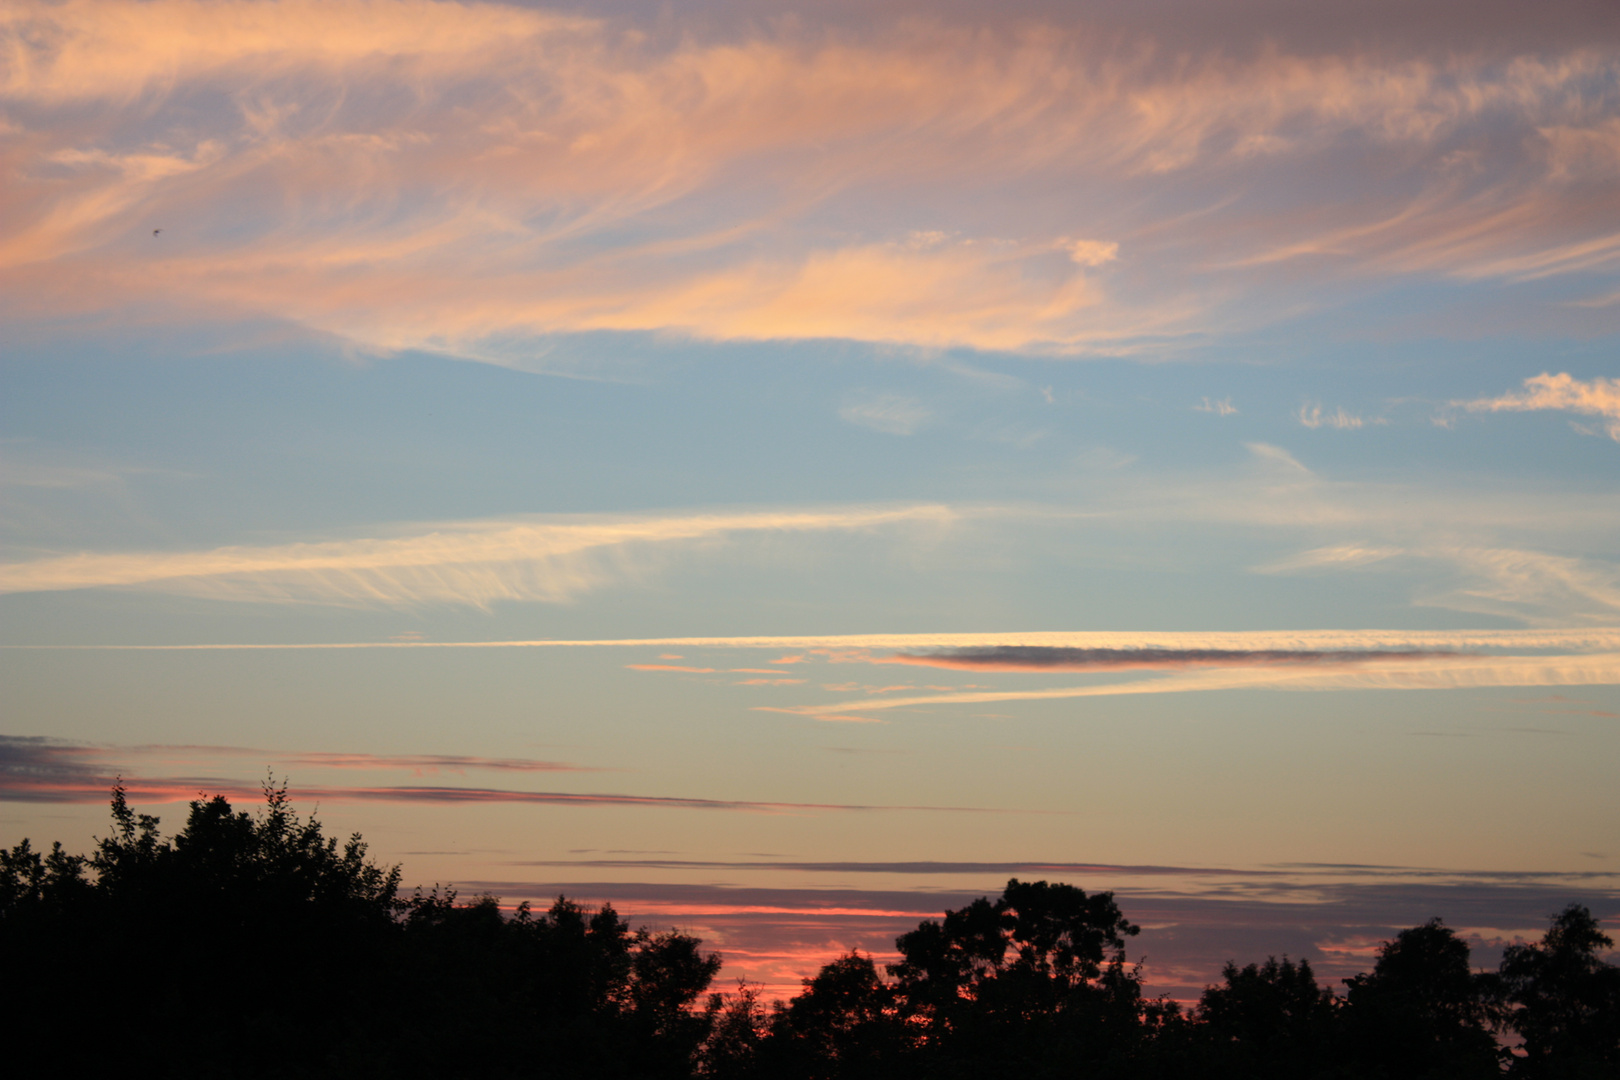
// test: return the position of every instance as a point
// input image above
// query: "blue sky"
(1254, 377)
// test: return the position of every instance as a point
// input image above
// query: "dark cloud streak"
(1051, 658)
(37, 769)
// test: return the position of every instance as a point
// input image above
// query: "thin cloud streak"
(1047, 658)
(909, 868)
(1535, 586)
(1433, 674)
(39, 769)
(1584, 639)
(472, 563)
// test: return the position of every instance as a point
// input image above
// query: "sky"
(786, 469)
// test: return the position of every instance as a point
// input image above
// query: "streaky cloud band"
(44, 770)
(1451, 673)
(1582, 639)
(1057, 658)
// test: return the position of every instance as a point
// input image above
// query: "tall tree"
(1267, 1020)
(1422, 1013)
(1564, 1000)
(1035, 980)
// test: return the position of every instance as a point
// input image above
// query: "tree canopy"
(254, 945)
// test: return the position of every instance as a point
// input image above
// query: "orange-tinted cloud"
(778, 935)
(1598, 397)
(459, 177)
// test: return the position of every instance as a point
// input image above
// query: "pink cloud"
(394, 222)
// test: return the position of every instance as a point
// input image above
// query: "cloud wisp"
(460, 176)
(40, 769)
(420, 764)
(1430, 673)
(1535, 586)
(1598, 397)
(474, 563)
(1310, 415)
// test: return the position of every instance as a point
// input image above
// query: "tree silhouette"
(844, 1024)
(252, 945)
(1422, 1012)
(1267, 1020)
(1564, 1001)
(1035, 980)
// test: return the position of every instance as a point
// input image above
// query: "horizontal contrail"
(1586, 639)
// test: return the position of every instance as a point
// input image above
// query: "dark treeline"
(252, 945)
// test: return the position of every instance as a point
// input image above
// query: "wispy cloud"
(1335, 557)
(476, 563)
(460, 177)
(889, 413)
(1535, 586)
(1422, 675)
(415, 763)
(1311, 415)
(38, 769)
(1222, 407)
(1563, 392)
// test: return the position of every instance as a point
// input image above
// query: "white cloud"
(1310, 415)
(1223, 407)
(1276, 456)
(1334, 556)
(1538, 587)
(1568, 640)
(1447, 673)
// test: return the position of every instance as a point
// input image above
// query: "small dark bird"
(156, 231)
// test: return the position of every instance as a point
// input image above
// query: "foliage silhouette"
(1422, 1012)
(1267, 1020)
(1564, 1001)
(253, 945)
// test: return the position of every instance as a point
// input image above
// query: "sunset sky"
(788, 468)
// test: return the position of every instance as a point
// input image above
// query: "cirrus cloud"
(474, 177)
(477, 563)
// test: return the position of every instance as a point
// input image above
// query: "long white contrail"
(1581, 640)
